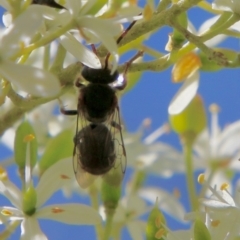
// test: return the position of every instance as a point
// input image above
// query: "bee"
(98, 145)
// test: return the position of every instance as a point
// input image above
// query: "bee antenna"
(120, 39)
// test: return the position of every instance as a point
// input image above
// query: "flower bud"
(176, 39)
(192, 120)
(29, 201)
(185, 67)
(155, 229)
(25, 135)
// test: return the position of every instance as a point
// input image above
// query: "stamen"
(157, 133)
(160, 233)
(215, 223)
(6, 213)
(64, 176)
(176, 193)
(158, 222)
(214, 108)
(224, 186)
(29, 138)
(201, 178)
(57, 210)
(3, 174)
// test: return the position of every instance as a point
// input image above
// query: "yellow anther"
(185, 67)
(224, 186)
(6, 212)
(57, 210)
(214, 108)
(160, 233)
(176, 193)
(158, 222)
(62, 176)
(3, 174)
(147, 12)
(21, 45)
(201, 178)
(29, 138)
(147, 122)
(215, 223)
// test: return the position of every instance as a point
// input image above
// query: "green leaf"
(58, 148)
(200, 231)
(20, 146)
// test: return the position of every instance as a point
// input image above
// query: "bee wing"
(115, 127)
(84, 178)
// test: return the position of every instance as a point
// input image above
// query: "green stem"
(187, 149)
(208, 7)
(45, 40)
(59, 58)
(46, 57)
(108, 226)
(93, 193)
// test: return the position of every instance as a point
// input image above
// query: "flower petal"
(11, 213)
(184, 95)
(206, 26)
(31, 19)
(53, 179)
(83, 54)
(70, 214)
(10, 191)
(102, 29)
(30, 230)
(167, 202)
(137, 229)
(32, 80)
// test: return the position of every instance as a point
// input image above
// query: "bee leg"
(130, 61)
(66, 112)
(123, 84)
(78, 83)
(116, 125)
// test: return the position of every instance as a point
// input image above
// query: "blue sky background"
(150, 99)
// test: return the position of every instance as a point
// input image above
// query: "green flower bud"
(29, 201)
(155, 229)
(25, 135)
(191, 121)
(177, 39)
(111, 190)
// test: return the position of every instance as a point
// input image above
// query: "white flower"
(150, 156)
(218, 150)
(32, 80)
(168, 203)
(222, 215)
(129, 209)
(93, 28)
(227, 5)
(52, 180)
